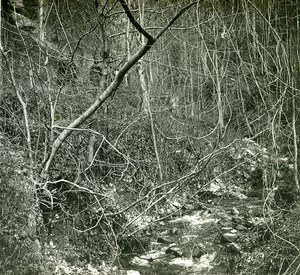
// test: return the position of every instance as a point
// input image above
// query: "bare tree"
(150, 40)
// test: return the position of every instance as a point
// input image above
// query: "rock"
(133, 272)
(224, 223)
(187, 252)
(248, 223)
(226, 228)
(164, 240)
(233, 248)
(184, 262)
(238, 220)
(173, 251)
(92, 270)
(198, 252)
(160, 240)
(241, 227)
(140, 261)
(230, 237)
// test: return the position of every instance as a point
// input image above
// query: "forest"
(143, 137)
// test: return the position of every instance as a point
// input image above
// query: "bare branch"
(136, 24)
(175, 18)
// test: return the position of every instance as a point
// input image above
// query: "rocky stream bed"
(212, 238)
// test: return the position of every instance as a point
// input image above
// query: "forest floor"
(216, 235)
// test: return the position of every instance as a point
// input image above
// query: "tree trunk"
(145, 85)
(1, 58)
(295, 138)
(101, 83)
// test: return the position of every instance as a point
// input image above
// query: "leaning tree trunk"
(114, 84)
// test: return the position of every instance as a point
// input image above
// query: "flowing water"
(209, 241)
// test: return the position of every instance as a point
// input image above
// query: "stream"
(208, 241)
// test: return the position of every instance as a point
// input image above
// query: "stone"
(133, 272)
(174, 251)
(164, 240)
(241, 227)
(230, 236)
